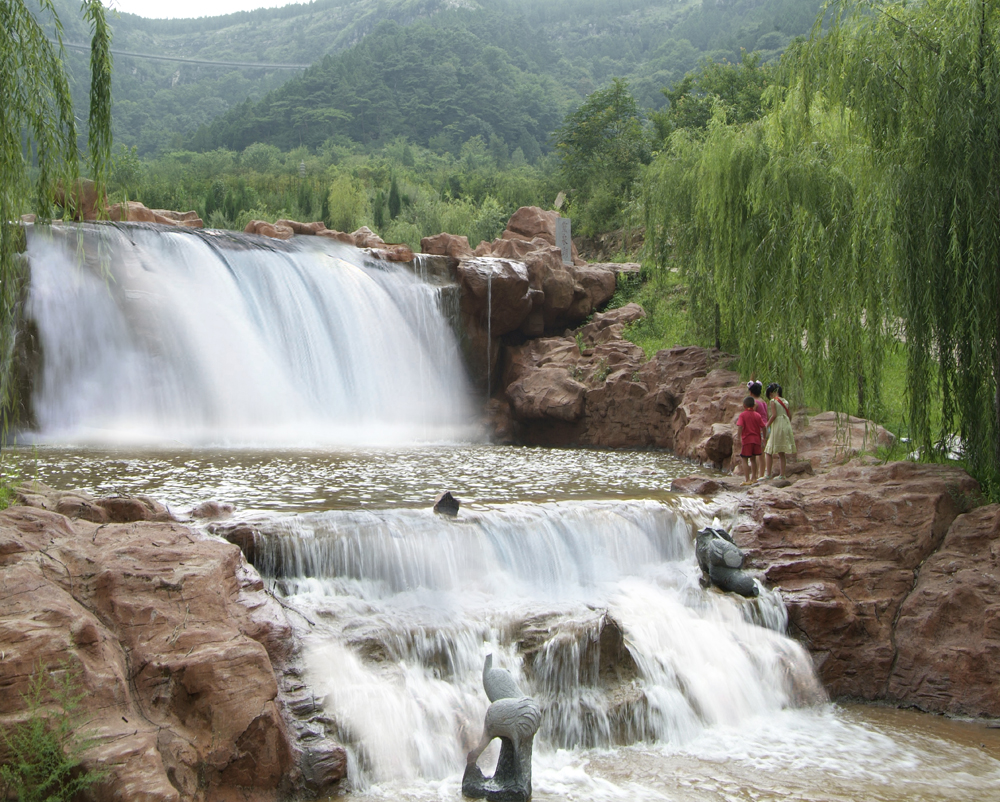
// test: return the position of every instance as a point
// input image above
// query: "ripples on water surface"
(547, 538)
(306, 480)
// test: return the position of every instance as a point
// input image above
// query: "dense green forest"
(556, 53)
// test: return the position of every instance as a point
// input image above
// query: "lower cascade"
(198, 337)
(594, 608)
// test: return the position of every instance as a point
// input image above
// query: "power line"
(192, 60)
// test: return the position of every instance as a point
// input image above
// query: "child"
(781, 441)
(755, 388)
(751, 425)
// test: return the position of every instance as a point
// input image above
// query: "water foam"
(201, 337)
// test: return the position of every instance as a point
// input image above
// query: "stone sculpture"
(513, 718)
(721, 563)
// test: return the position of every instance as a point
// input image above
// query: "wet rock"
(695, 485)
(845, 549)
(324, 765)
(168, 634)
(246, 537)
(213, 509)
(494, 290)
(446, 504)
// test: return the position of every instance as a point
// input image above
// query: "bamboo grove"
(859, 214)
(38, 143)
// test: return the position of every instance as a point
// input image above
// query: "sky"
(191, 8)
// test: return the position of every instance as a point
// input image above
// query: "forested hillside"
(555, 53)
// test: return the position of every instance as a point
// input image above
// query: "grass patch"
(664, 296)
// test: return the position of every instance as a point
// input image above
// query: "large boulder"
(446, 245)
(81, 201)
(495, 292)
(172, 639)
(847, 550)
(947, 634)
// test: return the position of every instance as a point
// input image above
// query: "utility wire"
(192, 60)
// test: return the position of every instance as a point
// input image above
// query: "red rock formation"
(627, 400)
(497, 289)
(266, 229)
(947, 634)
(846, 549)
(173, 640)
(446, 245)
(81, 201)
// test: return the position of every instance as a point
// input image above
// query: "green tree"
(923, 81)
(861, 213)
(602, 146)
(738, 88)
(38, 144)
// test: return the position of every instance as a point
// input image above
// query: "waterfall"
(595, 607)
(215, 337)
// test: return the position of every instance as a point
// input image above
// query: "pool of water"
(313, 480)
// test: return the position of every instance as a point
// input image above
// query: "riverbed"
(398, 607)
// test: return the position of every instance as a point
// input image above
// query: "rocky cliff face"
(170, 635)
(891, 577)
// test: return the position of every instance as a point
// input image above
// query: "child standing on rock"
(751, 426)
(781, 440)
(755, 388)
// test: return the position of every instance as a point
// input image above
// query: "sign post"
(564, 239)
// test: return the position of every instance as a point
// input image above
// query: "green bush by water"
(42, 760)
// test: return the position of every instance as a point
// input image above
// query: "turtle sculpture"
(721, 562)
(513, 718)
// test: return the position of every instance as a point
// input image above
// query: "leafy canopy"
(861, 213)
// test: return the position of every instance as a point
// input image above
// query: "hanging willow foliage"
(38, 144)
(862, 212)
(779, 247)
(924, 79)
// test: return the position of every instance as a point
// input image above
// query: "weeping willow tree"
(781, 249)
(38, 144)
(860, 214)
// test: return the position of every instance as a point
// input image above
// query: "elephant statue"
(721, 563)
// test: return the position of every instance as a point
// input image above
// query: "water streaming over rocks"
(575, 569)
(595, 606)
(195, 337)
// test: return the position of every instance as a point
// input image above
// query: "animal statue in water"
(721, 562)
(513, 718)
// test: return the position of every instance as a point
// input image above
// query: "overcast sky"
(191, 8)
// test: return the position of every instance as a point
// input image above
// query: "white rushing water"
(595, 607)
(215, 337)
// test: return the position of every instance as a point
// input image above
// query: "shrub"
(42, 753)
